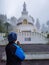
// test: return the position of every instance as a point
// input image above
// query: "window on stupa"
(28, 39)
(24, 21)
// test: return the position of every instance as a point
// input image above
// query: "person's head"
(12, 37)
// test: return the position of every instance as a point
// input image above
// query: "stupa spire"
(24, 12)
(24, 6)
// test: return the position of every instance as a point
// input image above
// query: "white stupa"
(27, 31)
(25, 22)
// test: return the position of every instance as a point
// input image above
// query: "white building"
(27, 31)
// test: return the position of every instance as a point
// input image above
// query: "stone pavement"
(30, 48)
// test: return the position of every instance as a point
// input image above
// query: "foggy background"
(36, 8)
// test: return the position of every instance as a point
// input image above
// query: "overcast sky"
(36, 8)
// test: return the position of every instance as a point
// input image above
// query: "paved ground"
(30, 48)
(32, 62)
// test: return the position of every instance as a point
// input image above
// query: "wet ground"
(32, 62)
(30, 48)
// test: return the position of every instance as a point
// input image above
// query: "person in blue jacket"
(15, 54)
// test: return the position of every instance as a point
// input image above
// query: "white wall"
(24, 27)
(36, 38)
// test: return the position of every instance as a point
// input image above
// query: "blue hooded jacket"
(15, 54)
